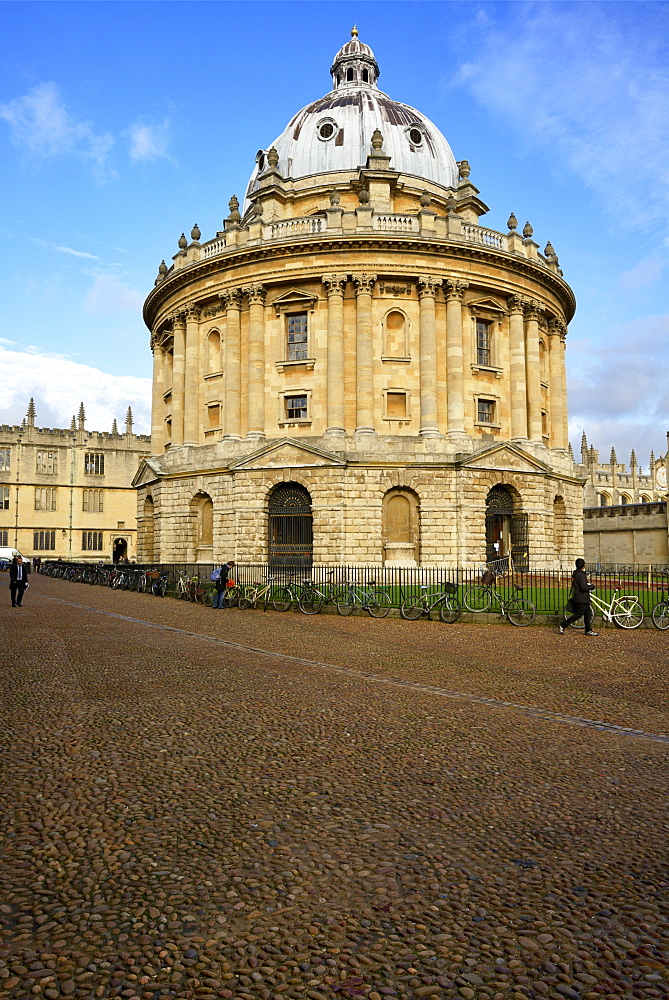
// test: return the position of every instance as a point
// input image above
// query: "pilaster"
(232, 303)
(427, 290)
(335, 285)
(192, 375)
(178, 378)
(455, 374)
(517, 378)
(364, 285)
(256, 384)
(533, 371)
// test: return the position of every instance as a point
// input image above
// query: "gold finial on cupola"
(354, 32)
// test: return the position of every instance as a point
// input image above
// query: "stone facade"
(67, 493)
(611, 484)
(357, 333)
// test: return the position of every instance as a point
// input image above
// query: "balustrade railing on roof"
(396, 223)
(486, 237)
(295, 227)
(213, 248)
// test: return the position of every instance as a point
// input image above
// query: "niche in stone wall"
(213, 361)
(559, 526)
(148, 531)
(395, 330)
(203, 524)
(401, 528)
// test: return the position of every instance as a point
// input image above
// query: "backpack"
(216, 575)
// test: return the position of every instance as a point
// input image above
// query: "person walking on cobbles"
(18, 580)
(222, 584)
(579, 600)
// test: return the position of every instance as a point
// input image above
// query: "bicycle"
(445, 601)
(291, 593)
(182, 588)
(375, 602)
(518, 610)
(625, 611)
(660, 613)
(257, 592)
(313, 598)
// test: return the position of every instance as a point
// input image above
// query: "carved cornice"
(428, 285)
(454, 288)
(335, 284)
(364, 283)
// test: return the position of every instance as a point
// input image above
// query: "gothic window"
(604, 500)
(297, 336)
(47, 462)
(93, 501)
(624, 499)
(91, 541)
(94, 464)
(5, 457)
(44, 541)
(483, 342)
(45, 498)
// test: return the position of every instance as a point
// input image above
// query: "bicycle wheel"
(379, 604)
(116, 582)
(345, 604)
(310, 602)
(628, 612)
(661, 615)
(282, 599)
(449, 610)
(412, 608)
(245, 603)
(520, 611)
(477, 599)
(232, 597)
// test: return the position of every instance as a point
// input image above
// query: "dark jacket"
(580, 587)
(13, 570)
(222, 582)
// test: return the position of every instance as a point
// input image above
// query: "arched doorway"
(506, 530)
(290, 526)
(120, 550)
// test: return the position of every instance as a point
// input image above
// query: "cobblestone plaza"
(265, 806)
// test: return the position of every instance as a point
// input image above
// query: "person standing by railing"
(221, 582)
(579, 600)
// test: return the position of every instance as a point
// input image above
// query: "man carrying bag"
(579, 602)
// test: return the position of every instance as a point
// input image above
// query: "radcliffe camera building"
(354, 369)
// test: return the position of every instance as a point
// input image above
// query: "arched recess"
(604, 500)
(148, 531)
(214, 352)
(290, 526)
(559, 525)
(395, 329)
(625, 499)
(202, 509)
(401, 528)
(506, 528)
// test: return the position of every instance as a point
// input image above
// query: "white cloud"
(149, 142)
(41, 126)
(109, 295)
(588, 88)
(65, 250)
(59, 384)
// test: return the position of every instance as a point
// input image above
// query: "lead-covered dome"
(335, 132)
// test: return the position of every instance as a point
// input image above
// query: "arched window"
(624, 499)
(349, 75)
(365, 76)
(604, 500)
(395, 339)
(401, 528)
(290, 526)
(213, 352)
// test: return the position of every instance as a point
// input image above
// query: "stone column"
(232, 302)
(557, 332)
(427, 289)
(455, 372)
(517, 384)
(157, 397)
(335, 285)
(178, 378)
(364, 285)
(256, 394)
(192, 376)
(533, 371)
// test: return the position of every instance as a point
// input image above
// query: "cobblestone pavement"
(188, 816)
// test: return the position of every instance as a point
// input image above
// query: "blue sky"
(123, 123)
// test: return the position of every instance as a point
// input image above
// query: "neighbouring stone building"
(354, 369)
(625, 516)
(68, 493)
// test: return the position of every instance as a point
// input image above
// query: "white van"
(7, 553)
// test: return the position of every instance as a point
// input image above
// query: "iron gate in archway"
(506, 531)
(290, 526)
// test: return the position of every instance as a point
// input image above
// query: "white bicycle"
(625, 611)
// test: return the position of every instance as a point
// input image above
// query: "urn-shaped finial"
(363, 196)
(162, 272)
(334, 198)
(465, 169)
(527, 231)
(183, 242)
(258, 209)
(273, 157)
(377, 140)
(233, 205)
(450, 204)
(195, 233)
(512, 222)
(549, 251)
(425, 199)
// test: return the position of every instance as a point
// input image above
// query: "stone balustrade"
(486, 237)
(396, 223)
(291, 228)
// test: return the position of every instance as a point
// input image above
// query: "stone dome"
(335, 132)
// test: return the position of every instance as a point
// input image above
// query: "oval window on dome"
(326, 130)
(415, 136)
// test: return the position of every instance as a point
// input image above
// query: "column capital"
(178, 319)
(428, 285)
(557, 328)
(156, 339)
(515, 303)
(532, 309)
(231, 298)
(335, 284)
(454, 288)
(192, 312)
(256, 294)
(364, 283)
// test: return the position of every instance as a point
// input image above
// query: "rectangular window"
(94, 464)
(47, 463)
(483, 352)
(93, 501)
(91, 541)
(44, 541)
(297, 336)
(214, 416)
(396, 404)
(485, 411)
(4, 497)
(5, 457)
(296, 407)
(45, 498)
(4, 539)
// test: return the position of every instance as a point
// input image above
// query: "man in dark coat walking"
(580, 599)
(18, 580)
